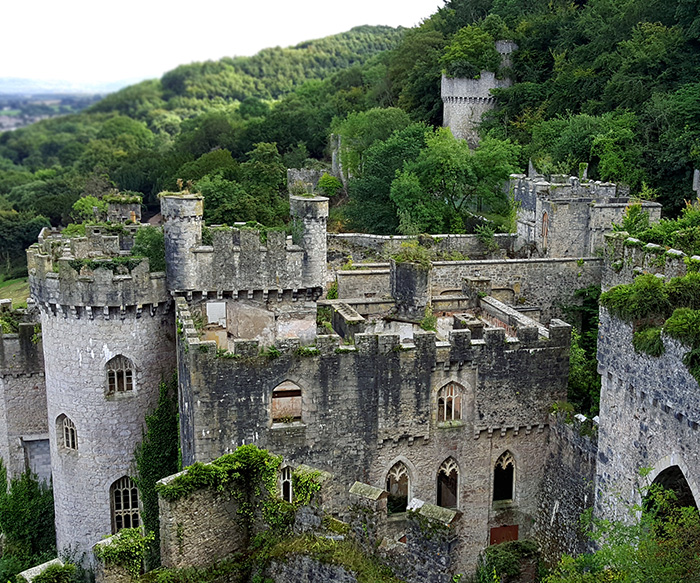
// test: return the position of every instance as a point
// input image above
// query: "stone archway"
(672, 478)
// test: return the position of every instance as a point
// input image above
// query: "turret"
(310, 218)
(182, 216)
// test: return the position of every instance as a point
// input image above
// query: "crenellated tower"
(108, 338)
(465, 100)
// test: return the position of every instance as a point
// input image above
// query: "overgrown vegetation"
(26, 522)
(655, 307)
(157, 457)
(584, 381)
(504, 561)
(126, 549)
(657, 541)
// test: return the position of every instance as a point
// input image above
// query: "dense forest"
(613, 83)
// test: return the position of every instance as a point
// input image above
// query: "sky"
(93, 41)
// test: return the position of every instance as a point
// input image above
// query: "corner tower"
(108, 338)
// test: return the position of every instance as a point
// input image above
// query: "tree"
(455, 183)
(358, 131)
(471, 51)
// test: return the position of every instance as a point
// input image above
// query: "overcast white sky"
(98, 41)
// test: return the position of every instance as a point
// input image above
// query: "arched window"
(67, 433)
(124, 498)
(120, 375)
(286, 403)
(397, 486)
(447, 484)
(286, 484)
(449, 403)
(503, 476)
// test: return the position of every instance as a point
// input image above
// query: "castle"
(458, 416)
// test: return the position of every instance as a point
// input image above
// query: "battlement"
(243, 258)
(627, 257)
(498, 327)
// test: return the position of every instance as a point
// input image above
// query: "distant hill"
(269, 74)
(24, 87)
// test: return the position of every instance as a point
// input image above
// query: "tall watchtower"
(108, 337)
(466, 100)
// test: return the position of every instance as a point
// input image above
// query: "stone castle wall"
(567, 217)
(466, 100)
(366, 406)
(648, 417)
(567, 488)
(23, 431)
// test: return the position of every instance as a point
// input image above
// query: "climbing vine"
(156, 458)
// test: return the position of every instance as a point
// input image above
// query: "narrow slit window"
(286, 484)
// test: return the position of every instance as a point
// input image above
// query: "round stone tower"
(108, 337)
(310, 214)
(466, 100)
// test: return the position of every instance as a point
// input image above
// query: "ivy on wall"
(157, 457)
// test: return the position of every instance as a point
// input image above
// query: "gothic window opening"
(68, 434)
(449, 403)
(503, 475)
(397, 486)
(124, 499)
(286, 403)
(286, 484)
(120, 375)
(447, 484)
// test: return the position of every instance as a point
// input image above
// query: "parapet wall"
(238, 259)
(375, 390)
(468, 245)
(627, 257)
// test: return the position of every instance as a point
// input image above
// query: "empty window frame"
(67, 433)
(397, 484)
(120, 375)
(448, 484)
(286, 403)
(449, 403)
(503, 477)
(286, 484)
(124, 498)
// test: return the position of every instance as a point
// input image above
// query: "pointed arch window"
(503, 477)
(67, 433)
(286, 484)
(286, 403)
(397, 484)
(124, 499)
(120, 375)
(448, 484)
(449, 403)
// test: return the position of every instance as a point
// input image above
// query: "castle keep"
(454, 419)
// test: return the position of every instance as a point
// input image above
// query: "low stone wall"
(304, 569)
(199, 529)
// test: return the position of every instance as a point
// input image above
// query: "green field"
(17, 290)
